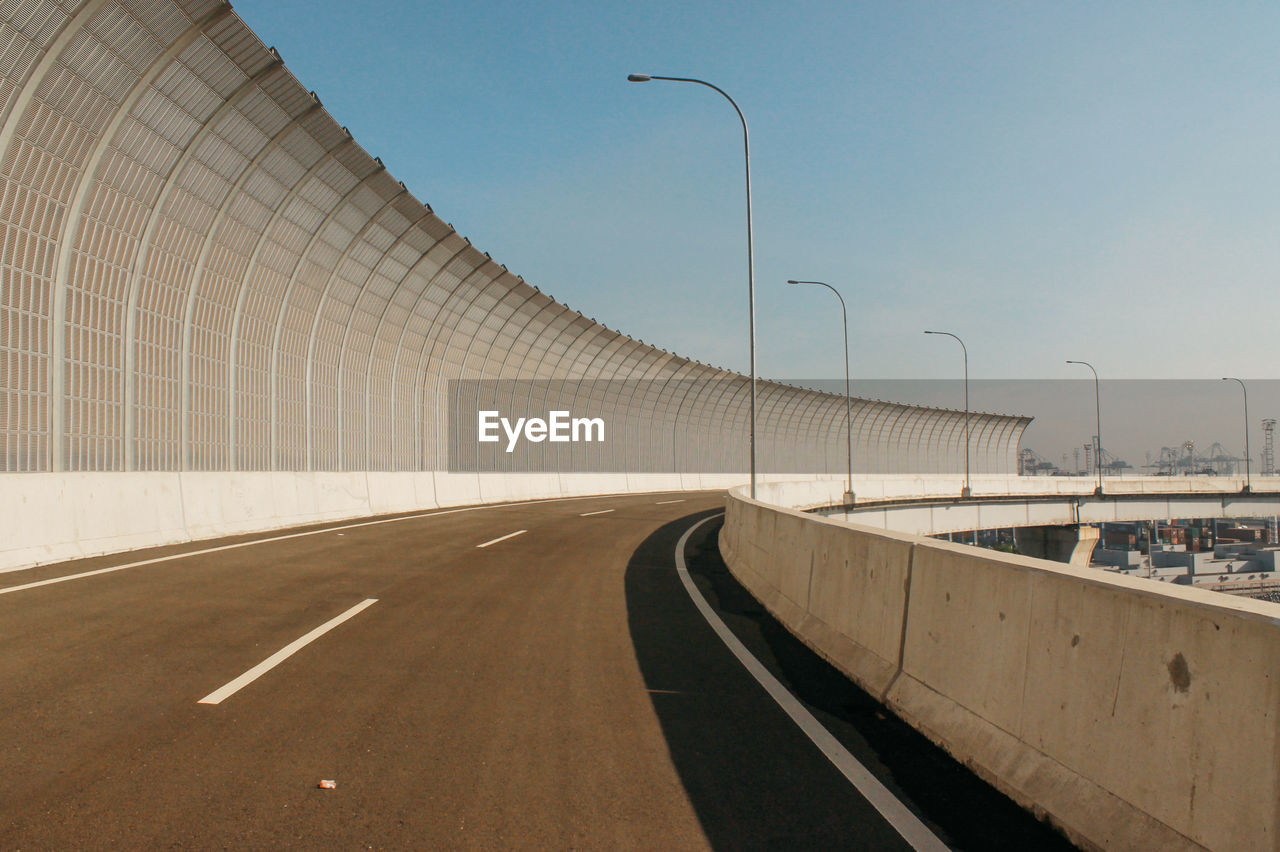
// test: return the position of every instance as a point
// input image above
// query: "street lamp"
(848, 403)
(1248, 475)
(1097, 400)
(751, 271)
(964, 492)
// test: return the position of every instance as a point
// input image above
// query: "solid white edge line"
(230, 689)
(601, 512)
(667, 502)
(907, 824)
(52, 580)
(502, 538)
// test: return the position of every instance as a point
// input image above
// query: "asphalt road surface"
(530, 675)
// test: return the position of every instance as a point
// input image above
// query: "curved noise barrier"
(203, 271)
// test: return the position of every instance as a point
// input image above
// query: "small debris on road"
(328, 784)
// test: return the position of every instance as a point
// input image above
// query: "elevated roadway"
(230, 318)
(931, 505)
(555, 688)
(1134, 714)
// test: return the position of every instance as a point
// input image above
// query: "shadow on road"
(753, 778)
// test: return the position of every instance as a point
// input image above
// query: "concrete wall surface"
(929, 504)
(873, 488)
(1135, 715)
(51, 517)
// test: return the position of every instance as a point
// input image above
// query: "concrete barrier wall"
(929, 505)
(812, 493)
(1134, 715)
(51, 517)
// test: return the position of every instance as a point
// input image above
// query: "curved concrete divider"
(930, 505)
(51, 517)
(875, 490)
(1134, 715)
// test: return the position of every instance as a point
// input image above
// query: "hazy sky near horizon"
(1092, 180)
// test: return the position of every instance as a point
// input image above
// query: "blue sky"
(1097, 181)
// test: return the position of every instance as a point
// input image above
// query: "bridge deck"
(553, 689)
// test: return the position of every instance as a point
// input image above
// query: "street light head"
(639, 78)
(790, 281)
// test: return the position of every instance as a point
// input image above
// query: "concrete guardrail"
(51, 517)
(1134, 715)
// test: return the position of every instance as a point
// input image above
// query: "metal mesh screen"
(201, 270)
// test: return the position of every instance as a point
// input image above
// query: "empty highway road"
(528, 675)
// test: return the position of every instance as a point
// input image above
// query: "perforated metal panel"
(200, 269)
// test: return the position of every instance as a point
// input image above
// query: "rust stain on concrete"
(1179, 673)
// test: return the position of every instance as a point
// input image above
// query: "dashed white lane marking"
(601, 512)
(502, 538)
(287, 536)
(667, 502)
(907, 824)
(225, 692)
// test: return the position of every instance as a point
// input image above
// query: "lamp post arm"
(751, 264)
(1097, 401)
(1248, 473)
(848, 403)
(966, 491)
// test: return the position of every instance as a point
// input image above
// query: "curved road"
(556, 688)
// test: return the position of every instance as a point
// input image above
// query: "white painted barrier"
(1001, 502)
(814, 492)
(51, 517)
(1135, 715)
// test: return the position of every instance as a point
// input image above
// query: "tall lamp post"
(1248, 474)
(964, 492)
(1097, 401)
(848, 402)
(751, 270)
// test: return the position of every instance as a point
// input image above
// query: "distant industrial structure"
(1031, 463)
(1268, 447)
(1238, 558)
(1235, 557)
(1181, 460)
(1184, 460)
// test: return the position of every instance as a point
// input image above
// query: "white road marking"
(502, 538)
(219, 695)
(601, 512)
(667, 502)
(907, 824)
(256, 541)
